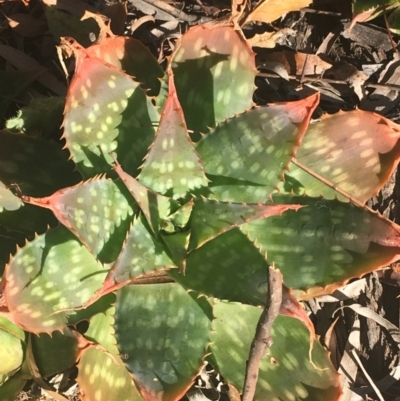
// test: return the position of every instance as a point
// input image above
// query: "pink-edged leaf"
(357, 151)
(165, 343)
(141, 253)
(48, 278)
(133, 57)
(172, 165)
(320, 247)
(259, 143)
(92, 210)
(286, 372)
(214, 71)
(106, 111)
(154, 206)
(212, 218)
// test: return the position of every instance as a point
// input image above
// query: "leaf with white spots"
(228, 267)
(106, 111)
(356, 150)
(214, 70)
(259, 144)
(212, 218)
(103, 377)
(154, 206)
(96, 211)
(99, 307)
(232, 190)
(164, 345)
(49, 276)
(172, 165)
(324, 244)
(12, 346)
(286, 372)
(141, 253)
(133, 57)
(24, 164)
(101, 330)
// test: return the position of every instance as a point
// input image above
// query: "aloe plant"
(183, 194)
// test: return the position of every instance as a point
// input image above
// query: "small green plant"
(184, 194)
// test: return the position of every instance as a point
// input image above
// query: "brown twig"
(327, 80)
(303, 73)
(387, 26)
(172, 10)
(262, 339)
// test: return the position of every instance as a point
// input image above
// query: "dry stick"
(377, 392)
(388, 27)
(327, 80)
(262, 338)
(303, 73)
(172, 10)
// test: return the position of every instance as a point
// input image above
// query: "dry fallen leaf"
(268, 40)
(294, 62)
(270, 10)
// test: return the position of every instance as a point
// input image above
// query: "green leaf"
(323, 245)
(62, 24)
(96, 211)
(141, 253)
(101, 330)
(231, 190)
(19, 225)
(56, 353)
(24, 163)
(49, 276)
(360, 6)
(227, 267)
(105, 377)
(180, 218)
(41, 119)
(177, 244)
(172, 165)
(10, 390)
(214, 70)
(133, 57)
(99, 307)
(165, 344)
(12, 83)
(11, 328)
(261, 142)
(12, 341)
(286, 372)
(38, 166)
(211, 218)
(154, 206)
(106, 111)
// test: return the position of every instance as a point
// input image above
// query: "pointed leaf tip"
(172, 165)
